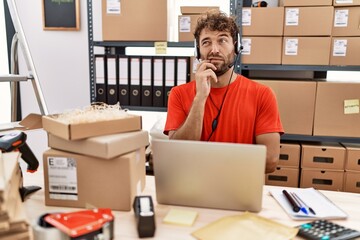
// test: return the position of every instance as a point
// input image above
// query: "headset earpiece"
(196, 50)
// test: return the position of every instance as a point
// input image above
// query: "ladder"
(13, 77)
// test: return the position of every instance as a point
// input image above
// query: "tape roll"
(44, 231)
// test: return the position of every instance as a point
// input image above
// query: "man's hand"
(204, 75)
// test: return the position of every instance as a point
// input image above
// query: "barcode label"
(62, 175)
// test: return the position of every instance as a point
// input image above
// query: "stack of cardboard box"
(345, 49)
(13, 223)
(262, 30)
(352, 168)
(94, 165)
(287, 171)
(322, 166)
(307, 38)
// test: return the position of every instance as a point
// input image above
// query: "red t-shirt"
(249, 109)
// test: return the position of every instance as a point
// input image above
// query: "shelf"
(276, 67)
(139, 44)
(307, 138)
(145, 108)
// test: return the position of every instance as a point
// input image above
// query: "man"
(221, 105)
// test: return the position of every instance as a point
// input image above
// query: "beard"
(222, 67)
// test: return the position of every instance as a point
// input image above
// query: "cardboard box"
(263, 21)
(296, 3)
(346, 3)
(261, 50)
(187, 24)
(85, 130)
(322, 179)
(106, 146)
(135, 20)
(282, 176)
(188, 20)
(303, 21)
(323, 156)
(82, 181)
(346, 21)
(289, 155)
(30, 122)
(352, 161)
(196, 10)
(345, 51)
(352, 182)
(296, 101)
(306, 50)
(337, 110)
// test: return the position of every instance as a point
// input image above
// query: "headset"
(237, 46)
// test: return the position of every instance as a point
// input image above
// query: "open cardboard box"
(85, 130)
(30, 122)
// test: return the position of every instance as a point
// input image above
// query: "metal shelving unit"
(235, 10)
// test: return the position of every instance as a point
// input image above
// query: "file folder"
(158, 82)
(183, 71)
(135, 81)
(100, 78)
(169, 76)
(123, 80)
(113, 81)
(146, 90)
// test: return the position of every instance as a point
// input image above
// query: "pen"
(310, 209)
(295, 206)
(297, 200)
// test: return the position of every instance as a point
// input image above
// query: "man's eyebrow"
(204, 39)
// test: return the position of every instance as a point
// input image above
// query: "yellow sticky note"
(160, 47)
(180, 217)
(351, 106)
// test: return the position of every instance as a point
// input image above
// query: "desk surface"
(125, 227)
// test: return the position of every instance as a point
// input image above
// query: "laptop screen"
(209, 174)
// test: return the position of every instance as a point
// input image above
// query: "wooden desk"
(125, 227)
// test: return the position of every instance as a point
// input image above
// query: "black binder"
(100, 78)
(145, 79)
(123, 68)
(158, 82)
(170, 70)
(112, 79)
(135, 91)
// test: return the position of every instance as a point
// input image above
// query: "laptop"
(217, 175)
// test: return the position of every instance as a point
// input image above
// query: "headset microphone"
(260, 4)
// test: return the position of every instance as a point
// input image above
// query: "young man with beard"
(221, 105)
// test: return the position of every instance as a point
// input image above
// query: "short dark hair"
(215, 20)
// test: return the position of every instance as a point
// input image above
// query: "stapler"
(16, 141)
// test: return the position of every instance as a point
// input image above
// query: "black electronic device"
(145, 216)
(16, 140)
(326, 230)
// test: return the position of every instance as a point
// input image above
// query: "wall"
(60, 59)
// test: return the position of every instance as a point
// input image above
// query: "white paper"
(158, 74)
(185, 24)
(135, 71)
(343, 1)
(339, 49)
(111, 70)
(181, 70)
(62, 174)
(291, 46)
(170, 72)
(246, 44)
(146, 72)
(113, 7)
(246, 17)
(99, 70)
(341, 18)
(322, 206)
(123, 71)
(292, 17)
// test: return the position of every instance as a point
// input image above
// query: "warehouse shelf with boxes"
(287, 48)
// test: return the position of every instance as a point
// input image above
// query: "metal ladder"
(13, 77)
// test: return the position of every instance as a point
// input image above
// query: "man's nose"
(214, 48)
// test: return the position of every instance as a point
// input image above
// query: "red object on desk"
(76, 224)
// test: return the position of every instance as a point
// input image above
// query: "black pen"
(295, 206)
(310, 209)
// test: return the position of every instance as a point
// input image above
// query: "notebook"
(209, 174)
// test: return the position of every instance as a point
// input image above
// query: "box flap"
(32, 121)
